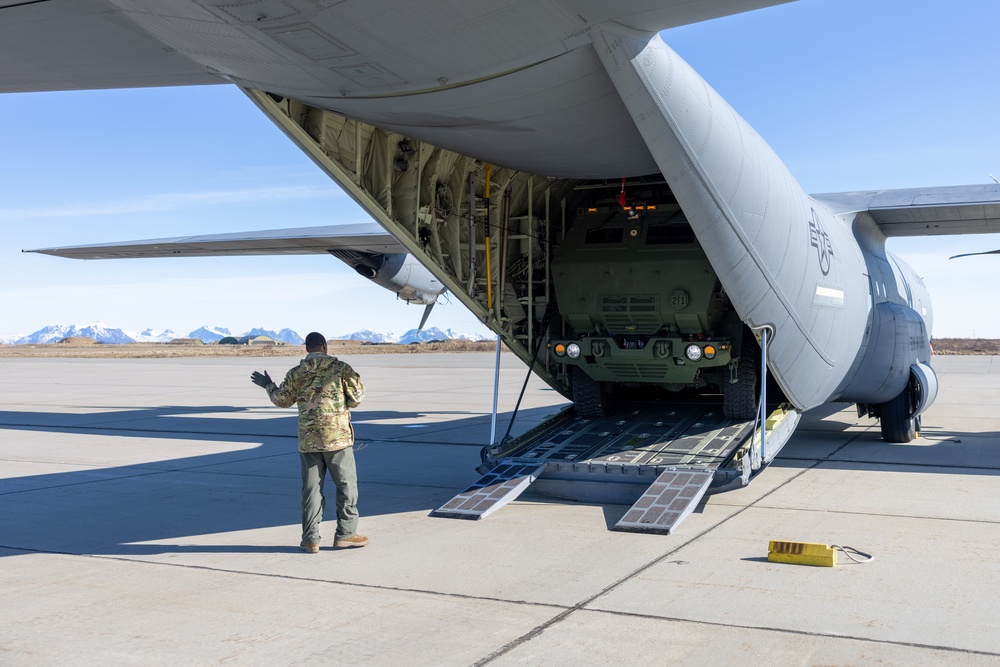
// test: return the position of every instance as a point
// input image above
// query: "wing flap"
(368, 237)
(963, 209)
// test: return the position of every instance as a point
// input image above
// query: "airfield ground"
(88, 348)
(150, 512)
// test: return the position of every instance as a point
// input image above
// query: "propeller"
(970, 254)
(985, 252)
(427, 313)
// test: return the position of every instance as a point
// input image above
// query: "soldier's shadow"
(250, 481)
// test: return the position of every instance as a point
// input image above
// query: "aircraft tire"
(895, 420)
(739, 399)
(590, 399)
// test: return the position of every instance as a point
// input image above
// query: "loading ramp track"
(659, 457)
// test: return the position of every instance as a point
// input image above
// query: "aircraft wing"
(513, 82)
(966, 209)
(95, 44)
(365, 237)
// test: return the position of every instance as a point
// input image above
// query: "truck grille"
(646, 371)
(631, 314)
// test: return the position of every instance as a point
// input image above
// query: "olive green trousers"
(343, 472)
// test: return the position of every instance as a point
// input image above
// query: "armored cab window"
(605, 235)
(669, 235)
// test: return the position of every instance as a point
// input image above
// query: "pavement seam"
(581, 606)
(206, 434)
(198, 469)
(889, 463)
(915, 517)
(288, 577)
(148, 472)
(88, 481)
(804, 633)
(210, 435)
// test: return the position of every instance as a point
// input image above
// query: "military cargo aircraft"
(563, 173)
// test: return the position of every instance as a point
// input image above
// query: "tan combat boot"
(348, 542)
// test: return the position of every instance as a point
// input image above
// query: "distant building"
(186, 341)
(229, 340)
(77, 340)
(258, 340)
(333, 342)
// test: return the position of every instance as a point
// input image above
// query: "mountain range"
(103, 333)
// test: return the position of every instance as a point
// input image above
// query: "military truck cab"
(641, 307)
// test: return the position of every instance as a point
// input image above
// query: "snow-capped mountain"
(434, 333)
(151, 336)
(102, 333)
(290, 337)
(208, 334)
(371, 336)
(99, 331)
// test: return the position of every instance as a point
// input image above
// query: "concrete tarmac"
(150, 515)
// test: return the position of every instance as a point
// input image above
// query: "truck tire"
(590, 399)
(739, 399)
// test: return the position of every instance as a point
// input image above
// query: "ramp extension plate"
(494, 490)
(667, 502)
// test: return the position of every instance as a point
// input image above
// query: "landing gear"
(590, 397)
(897, 424)
(739, 399)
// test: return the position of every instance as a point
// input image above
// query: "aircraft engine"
(400, 273)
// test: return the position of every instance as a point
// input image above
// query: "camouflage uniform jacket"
(324, 389)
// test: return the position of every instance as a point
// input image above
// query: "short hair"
(315, 341)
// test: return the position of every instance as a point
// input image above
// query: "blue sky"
(851, 94)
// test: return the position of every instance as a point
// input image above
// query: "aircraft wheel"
(739, 400)
(589, 397)
(895, 420)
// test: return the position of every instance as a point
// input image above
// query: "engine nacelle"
(400, 273)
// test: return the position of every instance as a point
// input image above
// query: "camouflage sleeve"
(287, 394)
(354, 390)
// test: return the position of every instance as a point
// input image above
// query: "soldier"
(325, 389)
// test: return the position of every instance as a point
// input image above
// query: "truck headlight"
(559, 349)
(709, 351)
(692, 352)
(573, 351)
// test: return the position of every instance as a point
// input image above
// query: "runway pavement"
(150, 516)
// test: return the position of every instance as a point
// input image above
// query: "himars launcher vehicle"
(571, 180)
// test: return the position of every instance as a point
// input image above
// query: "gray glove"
(261, 379)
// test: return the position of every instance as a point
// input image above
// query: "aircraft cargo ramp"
(661, 458)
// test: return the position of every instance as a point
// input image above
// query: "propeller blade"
(427, 313)
(970, 254)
